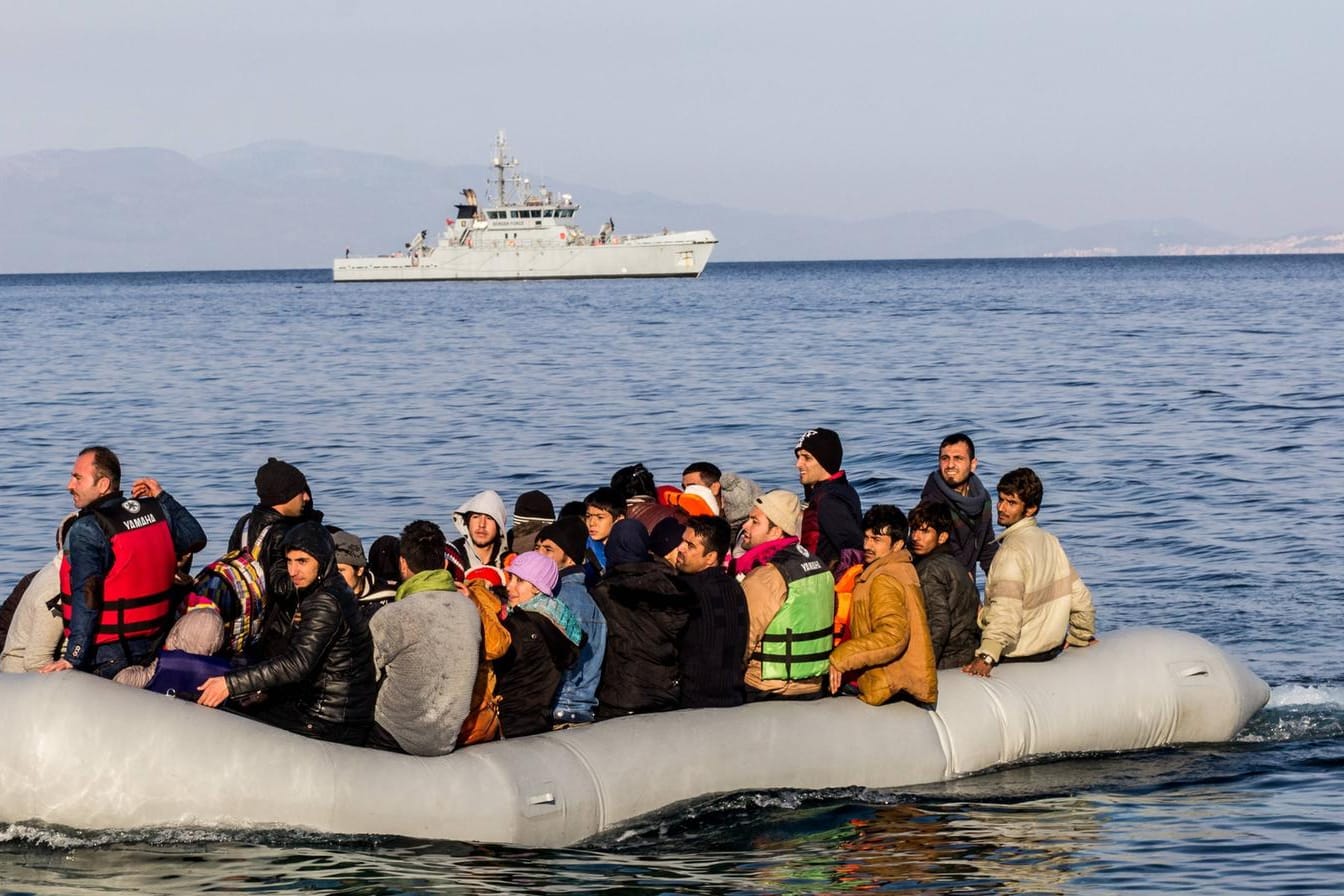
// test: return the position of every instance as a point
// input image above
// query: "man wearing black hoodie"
(322, 685)
(955, 484)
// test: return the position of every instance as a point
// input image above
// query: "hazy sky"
(1065, 112)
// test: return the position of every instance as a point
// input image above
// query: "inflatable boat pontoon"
(89, 754)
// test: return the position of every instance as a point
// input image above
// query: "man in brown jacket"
(888, 645)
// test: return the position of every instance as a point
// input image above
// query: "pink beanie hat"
(537, 569)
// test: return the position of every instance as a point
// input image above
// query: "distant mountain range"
(292, 205)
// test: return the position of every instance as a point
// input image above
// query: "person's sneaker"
(565, 718)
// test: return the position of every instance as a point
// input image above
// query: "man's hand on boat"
(56, 666)
(978, 666)
(214, 692)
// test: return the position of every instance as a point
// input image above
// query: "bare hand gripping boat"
(532, 236)
(90, 754)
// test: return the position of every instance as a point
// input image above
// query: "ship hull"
(671, 255)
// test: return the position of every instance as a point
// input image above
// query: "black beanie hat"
(824, 445)
(533, 505)
(278, 482)
(666, 536)
(570, 534)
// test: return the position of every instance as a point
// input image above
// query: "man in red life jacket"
(119, 562)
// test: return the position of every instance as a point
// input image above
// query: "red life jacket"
(136, 588)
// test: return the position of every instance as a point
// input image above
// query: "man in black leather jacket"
(323, 685)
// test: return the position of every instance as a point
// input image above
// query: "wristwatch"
(986, 658)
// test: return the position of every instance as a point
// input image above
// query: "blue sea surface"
(1185, 414)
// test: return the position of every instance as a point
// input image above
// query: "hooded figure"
(464, 554)
(322, 683)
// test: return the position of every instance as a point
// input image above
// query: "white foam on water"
(1297, 712)
(1291, 695)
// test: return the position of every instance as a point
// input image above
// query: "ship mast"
(500, 162)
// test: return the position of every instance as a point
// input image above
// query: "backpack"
(482, 722)
(236, 583)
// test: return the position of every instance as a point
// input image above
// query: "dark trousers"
(381, 739)
(1035, 657)
(291, 717)
(109, 659)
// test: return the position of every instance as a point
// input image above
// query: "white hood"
(487, 502)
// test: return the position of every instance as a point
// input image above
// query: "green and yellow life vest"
(797, 642)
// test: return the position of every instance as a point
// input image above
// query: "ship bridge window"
(495, 216)
(565, 213)
(549, 213)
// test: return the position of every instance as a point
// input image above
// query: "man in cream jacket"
(1035, 602)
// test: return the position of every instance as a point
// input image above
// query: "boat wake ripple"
(1298, 712)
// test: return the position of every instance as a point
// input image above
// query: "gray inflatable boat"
(89, 754)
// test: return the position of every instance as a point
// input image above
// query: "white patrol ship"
(533, 237)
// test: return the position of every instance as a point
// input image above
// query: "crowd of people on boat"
(638, 598)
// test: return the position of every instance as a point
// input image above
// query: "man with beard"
(322, 684)
(118, 566)
(1035, 602)
(790, 604)
(955, 484)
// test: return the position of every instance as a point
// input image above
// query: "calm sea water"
(1186, 416)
